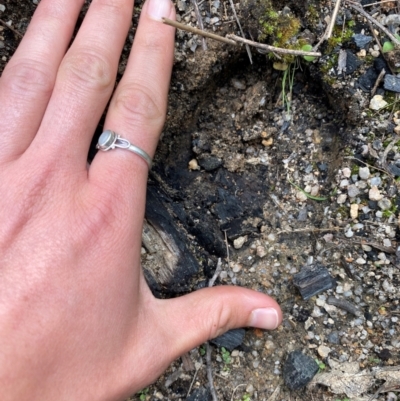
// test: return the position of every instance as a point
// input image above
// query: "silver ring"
(110, 140)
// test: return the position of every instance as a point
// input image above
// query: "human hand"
(77, 319)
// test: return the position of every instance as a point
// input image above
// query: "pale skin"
(77, 319)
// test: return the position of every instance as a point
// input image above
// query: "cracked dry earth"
(286, 188)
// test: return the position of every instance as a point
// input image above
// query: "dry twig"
(241, 30)
(199, 22)
(356, 7)
(233, 40)
(333, 19)
(273, 49)
(378, 81)
(4, 23)
(197, 31)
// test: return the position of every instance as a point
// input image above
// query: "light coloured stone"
(364, 173)
(385, 204)
(362, 53)
(377, 102)
(361, 261)
(193, 165)
(261, 251)
(346, 172)
(239, 242)
(354, 211)
(374, 194)
(341, 199)
(397, 129)
(301, 196)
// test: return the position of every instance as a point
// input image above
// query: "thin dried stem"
(4, 23)
(241, 30)
(196, 31)
(273, 49)
(333, 19)
(199, 22)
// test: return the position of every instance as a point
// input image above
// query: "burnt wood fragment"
(230, 340)
(312, 280)
(171, 264)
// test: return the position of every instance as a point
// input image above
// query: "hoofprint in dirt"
(297, 181)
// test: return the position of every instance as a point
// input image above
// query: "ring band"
(110, 140)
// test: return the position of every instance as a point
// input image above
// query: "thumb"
(205, 314)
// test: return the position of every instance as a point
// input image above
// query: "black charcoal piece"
(352, 62)
(367, 81)
(391, 83)
(312, 280)
(230, 340)
(298, 370)
(200, 394)
(209, 162)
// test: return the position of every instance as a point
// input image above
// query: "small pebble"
(301, 196)
(361, 261)
(387, 242)
(346, 172)
(2, 8)
(364, 173)
(385, 204)
(375, 181)
(374, 194)
(349, 233)
(354, 211)
(323, 351)
(193, 165)
(341, 199)
(377, 102)
(239, 242)
(353, 191)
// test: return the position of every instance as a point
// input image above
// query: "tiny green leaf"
(387, 47)
(307, 48)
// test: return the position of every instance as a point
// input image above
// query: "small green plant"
(202, 350)
(374, 360)
(246, 397)
(226, 356)
(143, 394)
(389, 212)
(344, 399)
(321, 365)
(307, 48)
(389, 46)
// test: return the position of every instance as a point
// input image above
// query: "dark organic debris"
(312, 280)
(391, 83)
(230, 340)
(367, 81)
(200, 394)
(352, 62)
(209, 162)
(344, 304)
(298, 370)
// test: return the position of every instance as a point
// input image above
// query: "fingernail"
(265, 318)
(158, 9)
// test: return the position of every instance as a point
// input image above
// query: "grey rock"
(393, 169)
(302, 214)
(362, 40)
(312, 280)
(298, 370)
(385, 204)
(333, 337)
(376, 181)
(391, 83)
(353, 191)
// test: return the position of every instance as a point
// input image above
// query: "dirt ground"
(274, 185)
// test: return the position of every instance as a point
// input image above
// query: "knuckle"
(28, 76)
(87, 70)
(138, 107)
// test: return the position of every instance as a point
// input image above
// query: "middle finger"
(84, 83)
